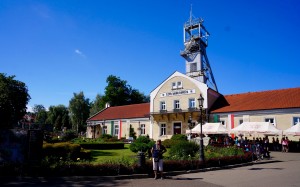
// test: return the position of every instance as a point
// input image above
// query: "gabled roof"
(123, 112)
(265, 100)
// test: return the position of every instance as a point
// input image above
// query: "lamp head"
(200, 101)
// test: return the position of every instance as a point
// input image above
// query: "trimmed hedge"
(62, 150)
(62, 168)
(103, 145)
(65, 151)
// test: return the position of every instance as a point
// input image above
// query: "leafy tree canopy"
(40, 113)
(79, 107)
(118, 93)
(96, 105)
(58, 116)
(13, 100)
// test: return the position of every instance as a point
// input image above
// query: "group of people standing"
(259, 146)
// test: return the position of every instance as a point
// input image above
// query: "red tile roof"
(123, 112)
(265, 100)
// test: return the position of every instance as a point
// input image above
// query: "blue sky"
(61, 47)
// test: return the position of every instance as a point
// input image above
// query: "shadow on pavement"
(186, 178)
(61, 181)
(266, 168)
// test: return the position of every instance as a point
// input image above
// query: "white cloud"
(77, 51)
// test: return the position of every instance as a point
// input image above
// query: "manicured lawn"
(100, 156)
(111, 155)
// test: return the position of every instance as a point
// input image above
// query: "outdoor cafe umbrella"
(209, 128)
(294, 130)
(265, 128)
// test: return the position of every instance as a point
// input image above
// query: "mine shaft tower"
(195, 38)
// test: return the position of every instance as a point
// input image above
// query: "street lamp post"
(190, 126)
(200, 101)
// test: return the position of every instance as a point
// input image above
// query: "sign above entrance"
(178, 92)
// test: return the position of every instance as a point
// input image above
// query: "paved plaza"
(281, 170)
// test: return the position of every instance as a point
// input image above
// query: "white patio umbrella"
(265, 128)
(209, 128)
(294, 130)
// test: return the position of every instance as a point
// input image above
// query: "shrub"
(69, 135)
(123, 166)
(183, 150)
(224, 151)
(63, 151)
(168, 143)
(106, 136)
(180, 137)
(142, 143)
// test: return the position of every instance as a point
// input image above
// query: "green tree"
(131, 132)
(142, 143)
(79, 107)
(59, 117)
(40, 113)
(13, 100)
(137, 97)
(96, 105)
(118, 92)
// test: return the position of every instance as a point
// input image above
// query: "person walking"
(284, 144)
(157, 154)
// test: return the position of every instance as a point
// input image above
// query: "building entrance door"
(177, 128)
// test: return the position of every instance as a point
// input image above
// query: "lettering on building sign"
(180, 92)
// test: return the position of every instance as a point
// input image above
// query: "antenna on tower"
(191, 14)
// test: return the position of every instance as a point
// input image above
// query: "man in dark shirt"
(157, 154)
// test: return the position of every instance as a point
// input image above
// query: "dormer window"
(176, 85)
(179, 84)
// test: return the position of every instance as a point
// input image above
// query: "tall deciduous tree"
(59, 117)
(118, 93)
(13, 100)
(96, 105)
(40, 114)
(79, 108)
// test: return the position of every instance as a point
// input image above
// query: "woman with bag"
(157, 154)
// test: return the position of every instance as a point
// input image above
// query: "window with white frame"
(179, 84)
(240, 121)
(192, 103)
(143, 129)
(296, 120)
(162, 105)
(270, 120)
(116, 130)
(176, 104)
(163, 129)
(176, 85)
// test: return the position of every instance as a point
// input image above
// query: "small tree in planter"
(142, 144)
